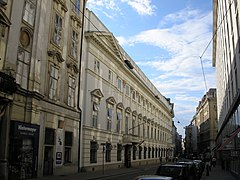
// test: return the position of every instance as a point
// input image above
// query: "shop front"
(23, 150)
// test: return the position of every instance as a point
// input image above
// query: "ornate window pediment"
(97, 93)
(134, 113)
(56, 54)
(72, 66)
(128, 110)
(120, 106)
(111, 100)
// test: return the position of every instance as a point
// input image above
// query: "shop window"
(49, 136)
(93, 151)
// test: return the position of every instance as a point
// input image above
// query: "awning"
(231, 136)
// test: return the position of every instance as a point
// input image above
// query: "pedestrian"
(214, 161)
(207, 159)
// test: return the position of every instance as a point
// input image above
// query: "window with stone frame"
(71, 91)
(119, 119)
(127, 90)
(119, 84)
(95, 111)
(108, 152)
(29, 11)
(74, 44)
(109, 116)
(126, 123)
(57, 29)
(53, 82)
(133, 124)
(145, 153)
(93, 151)
(68, 147)
(149, 152)
(119, 152)
(23, 63)
(134, 152)
(139, 127)
(97, 66)
(76, 6)
(152, 152)
(134, 95)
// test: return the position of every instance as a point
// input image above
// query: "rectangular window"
(119, 152)
(93, 152)
(68, 147)
(119, 118)
(134, 95)
(145, 153)
(134, 152)
(49, 136)
(127, 90)
(97, 66)
(23, 62)
(133, 124)
(29, 11)
(109, 117)
(74, 44)
(71, 91)
(95, 115)
(110, 76)
(140, 152)
(108, 152)
(53, 82)
(76, 6)
(119, 81)
(126, 124)
(57, 31)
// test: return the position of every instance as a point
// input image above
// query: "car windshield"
(170, 171)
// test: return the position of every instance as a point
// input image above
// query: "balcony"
(7, 83)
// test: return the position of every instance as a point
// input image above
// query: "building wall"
(102, 47)
(226, 60)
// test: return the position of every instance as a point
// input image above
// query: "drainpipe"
(79, 85)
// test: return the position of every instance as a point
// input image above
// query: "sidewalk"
(218, 174)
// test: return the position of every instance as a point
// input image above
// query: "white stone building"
(126, 120)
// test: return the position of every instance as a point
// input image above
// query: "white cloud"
(143, 7)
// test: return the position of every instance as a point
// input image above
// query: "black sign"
(25, 129)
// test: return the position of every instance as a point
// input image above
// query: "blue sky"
(166, 40)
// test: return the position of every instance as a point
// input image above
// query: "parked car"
(152, 177)
(194, 172)
(176, 171)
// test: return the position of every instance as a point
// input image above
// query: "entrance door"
(48, 161)
(127, 156)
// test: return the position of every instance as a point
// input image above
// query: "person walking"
(214, 161)
(207, 159)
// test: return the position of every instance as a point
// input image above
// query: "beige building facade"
(41, 122)
(126, 120)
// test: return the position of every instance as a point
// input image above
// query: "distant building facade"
(205, 120)
(226, 59)
(191, 149)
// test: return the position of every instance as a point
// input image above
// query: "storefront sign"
(24, 129)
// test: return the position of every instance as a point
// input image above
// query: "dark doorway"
(48, 161)
(127, 156)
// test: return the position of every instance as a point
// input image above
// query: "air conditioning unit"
(3, 2)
